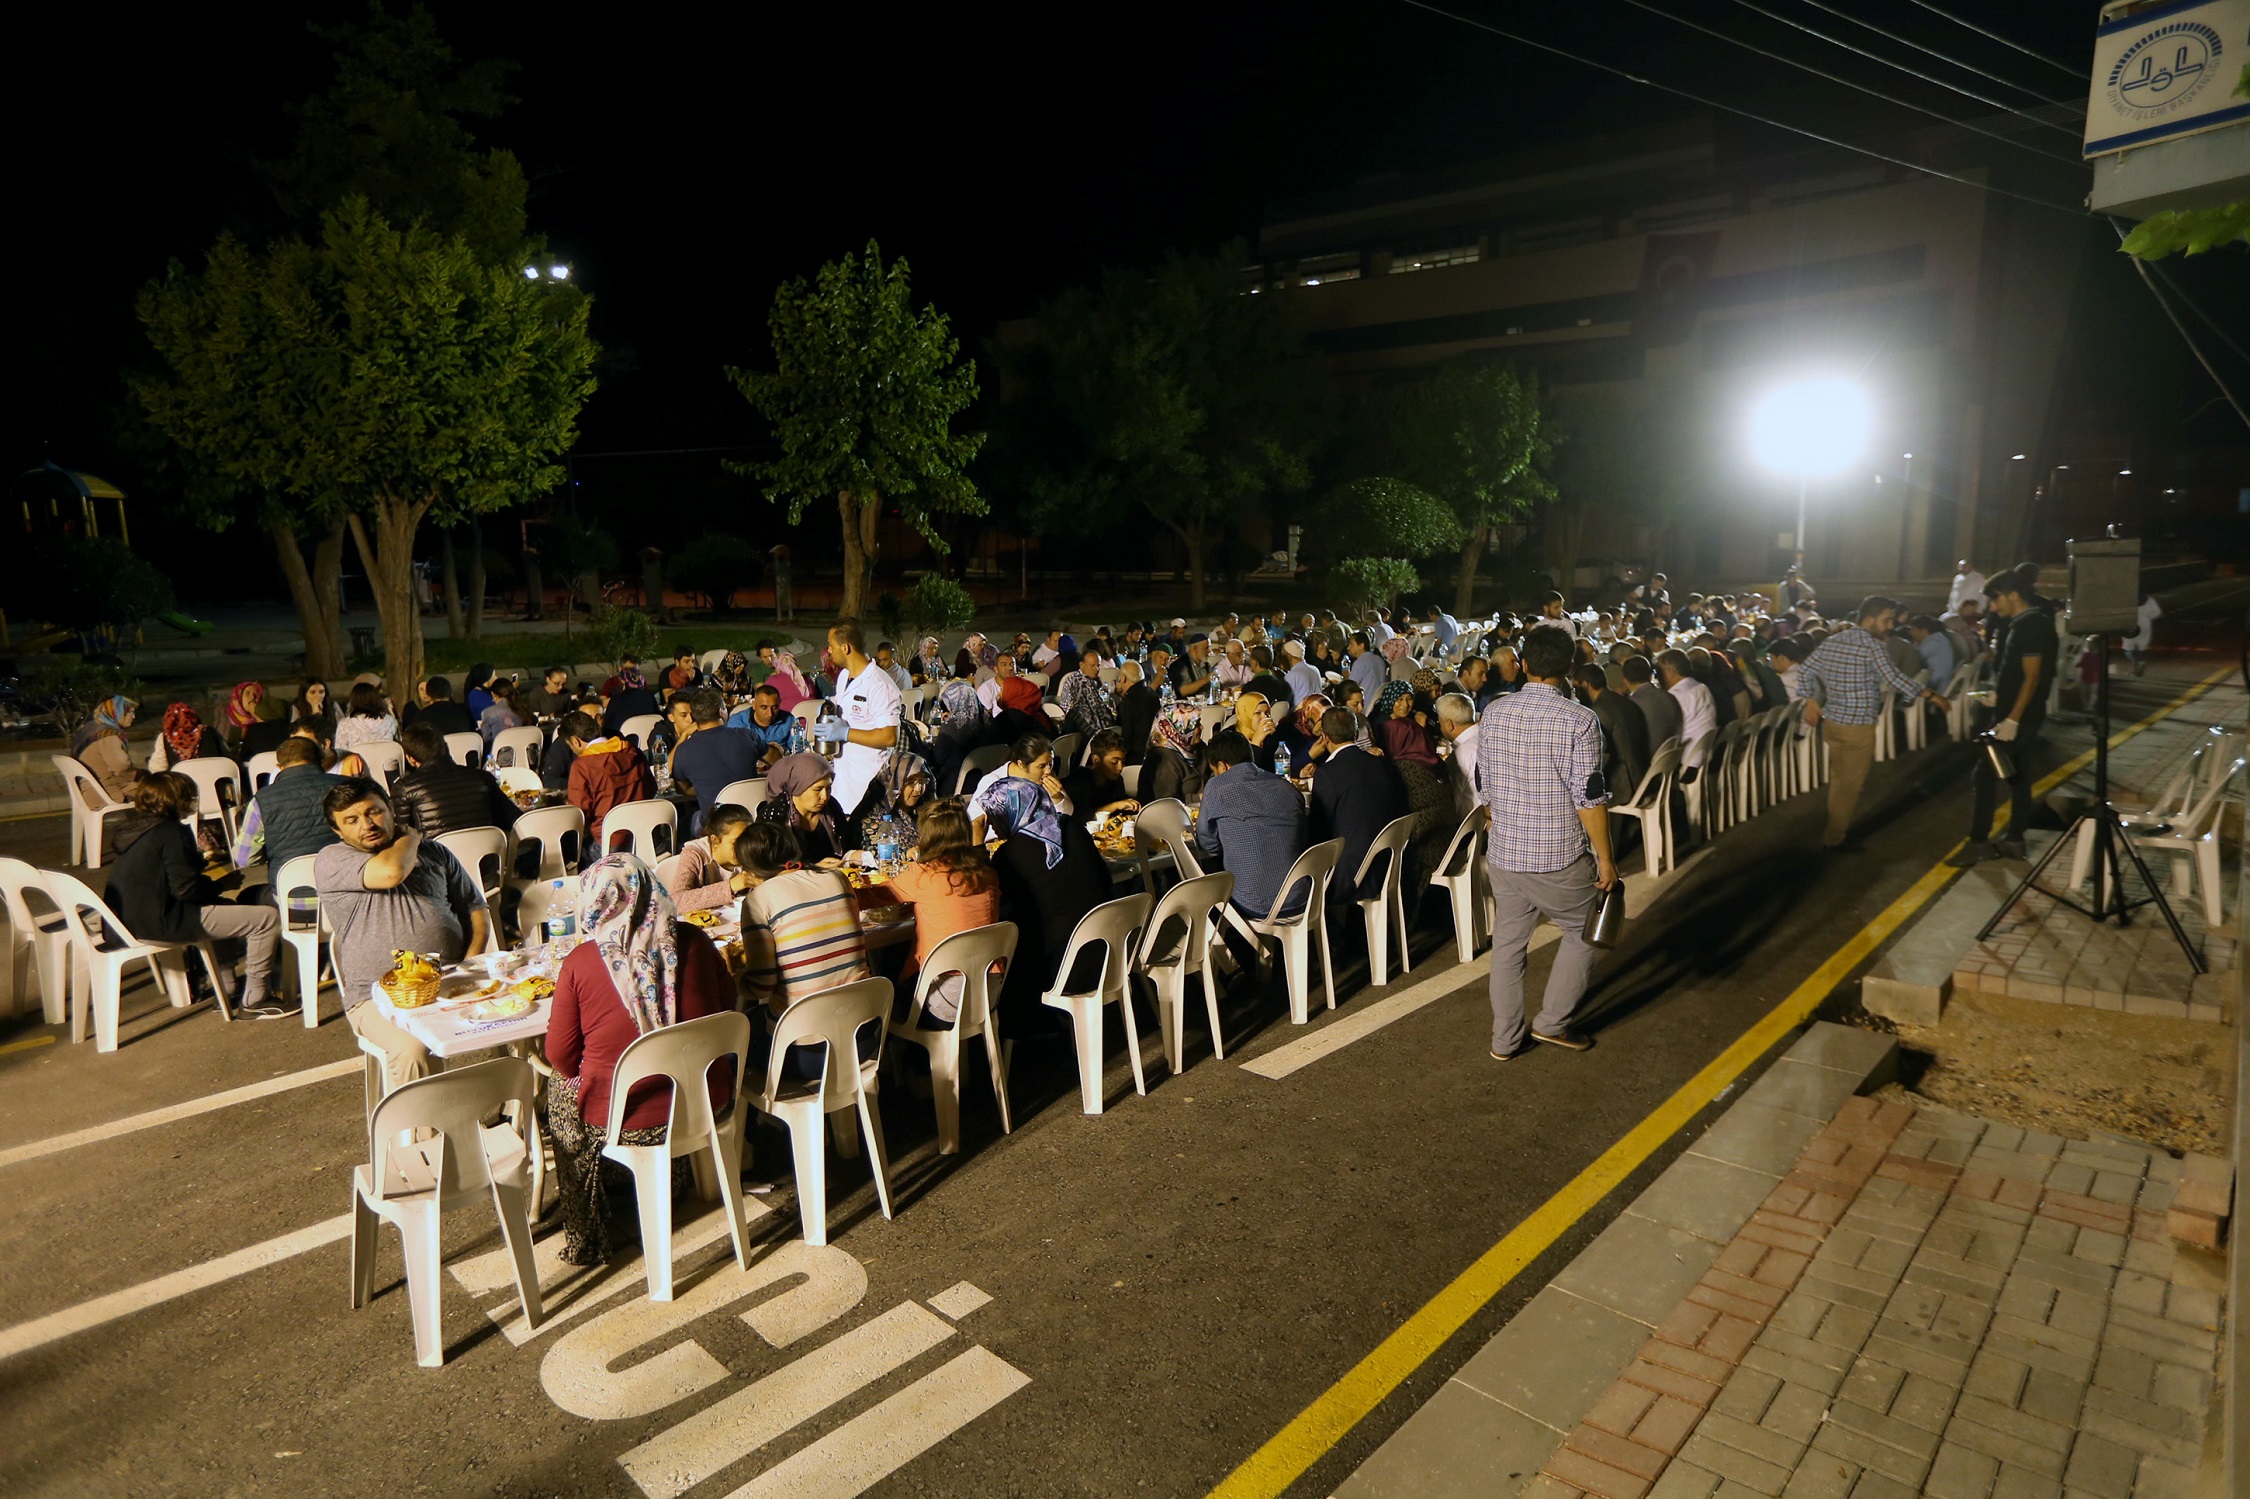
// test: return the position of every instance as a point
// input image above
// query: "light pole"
(1810, 429)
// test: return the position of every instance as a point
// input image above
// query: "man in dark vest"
(284, 819)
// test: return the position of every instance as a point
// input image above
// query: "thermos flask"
(1607, 919)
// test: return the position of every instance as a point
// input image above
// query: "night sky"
(685, 169)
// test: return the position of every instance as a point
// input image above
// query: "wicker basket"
(411, 993)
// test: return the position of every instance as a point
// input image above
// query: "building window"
(1430, 260)
(1318, 270)
(1350, 273)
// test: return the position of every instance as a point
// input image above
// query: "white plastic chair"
(1177, 941)
(835, 1017)
(218, 789)
(102, 963)
(37, 941)
(411, 1187)
(1133, 781)
(520, 746)
(643, 820)
(1959, 692)
(685, 1053)
(1068, 747)
(1461, 875)
(483, 852)
(467, 748)
(261, 768)
(1161, 829)
(971, 954)
(1387, 908)
(303, 929)
(385, 759)
(807, 712)
(91, 807)
(2192, 840)
(545, 828)
(975, 765)
(1113, 925)
(749, 795)
(1651, 807)
(1294, 934)
(638, 729)
(709, 661)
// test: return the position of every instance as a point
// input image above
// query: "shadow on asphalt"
(1706, 931)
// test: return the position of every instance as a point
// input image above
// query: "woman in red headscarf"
(1021, 712)
(186, 737)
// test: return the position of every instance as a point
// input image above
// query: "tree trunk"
(535, 588)
(476, 580)
(1465, 581)
(450, 581)
(387, 550)
(328, 589)
(860, 514)
(323, 657)
(1194, 534)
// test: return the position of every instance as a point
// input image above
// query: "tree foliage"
(936, 604)
(862, 398)
(1363, 583)
(70, 689)
(1367, 517)
(377, 377)
(714, 567)
(1170, 391)
(621, 633)
(1475, 437)
(2193, 231)
(91, 584)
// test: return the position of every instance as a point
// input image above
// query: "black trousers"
(1985, 786)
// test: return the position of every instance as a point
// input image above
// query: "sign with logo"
(2165, 71)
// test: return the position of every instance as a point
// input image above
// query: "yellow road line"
(26, 1045)
(1270, 1470)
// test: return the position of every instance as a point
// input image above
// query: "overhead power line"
(1950, 61)
(1873, 93)
(2060, 67)
(1877, 57)
(1698, 99)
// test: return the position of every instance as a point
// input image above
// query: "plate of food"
(507, 1005)
(704, 919)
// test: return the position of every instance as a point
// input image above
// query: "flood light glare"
(1812, 428)
(531, 272)
(559, 272)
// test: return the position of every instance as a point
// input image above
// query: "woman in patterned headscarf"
(185, 737)
(1173, 766)
(1407, 744)
(733, 675)
(638, 969)
(788, 680)
(1395, 652)
(962, 727)
(928, 664)
(1051, 875)
(100, 747)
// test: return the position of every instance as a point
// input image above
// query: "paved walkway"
(1924, 1302)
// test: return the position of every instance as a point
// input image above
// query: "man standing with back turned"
(1541, 769)
(1842, 684)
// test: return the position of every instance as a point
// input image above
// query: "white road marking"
(1364, 1020)
(959, 1300)
(18, 1154)
(715, 1438)
(567, 1292)
(40, 1331)
(880, 1441)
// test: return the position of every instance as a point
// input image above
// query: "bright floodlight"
(1811, 429)
(559, 272)
(532, 272)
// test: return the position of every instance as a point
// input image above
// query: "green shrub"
(1363, 583)
(70, 689)
(621, 633)
(937, 604)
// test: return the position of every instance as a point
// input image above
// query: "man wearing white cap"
(1303, 678)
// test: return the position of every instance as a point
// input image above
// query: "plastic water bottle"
(562, 915)
(1281, 761)
(796, 735)
(1164, 694)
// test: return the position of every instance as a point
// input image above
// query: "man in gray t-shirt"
(383, 889)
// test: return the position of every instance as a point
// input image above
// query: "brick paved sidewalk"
(1927, 1303)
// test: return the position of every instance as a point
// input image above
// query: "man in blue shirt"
(710, 756)
(1934, 647)
(1365, 667)
(1446, 627)
(767, 724)
(1253, 823)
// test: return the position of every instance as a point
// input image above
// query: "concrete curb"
(1507, 1411)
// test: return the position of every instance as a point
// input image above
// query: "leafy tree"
(1474, 436)
(714, 567)
(936, 604)
(1367, 516)
(621, 633)
(1169, 391)
(862, 400)
(379, 377)
(70, 689)
(95, 585)
(2194, 230)
(578, 554)
(1363, 583)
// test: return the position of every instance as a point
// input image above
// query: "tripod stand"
(2112, 847)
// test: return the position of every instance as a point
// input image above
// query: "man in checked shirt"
(1842, 684)
(1539, 758)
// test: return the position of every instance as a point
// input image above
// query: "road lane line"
(1270, 1470)
(715, 1438)
(878, 1442)
(40, 1331)
(173, 1113)
(26, 1045)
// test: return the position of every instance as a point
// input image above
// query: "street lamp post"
(1810, 429)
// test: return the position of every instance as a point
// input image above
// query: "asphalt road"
(1170, 1283)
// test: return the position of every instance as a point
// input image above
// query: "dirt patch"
(2069, 1070)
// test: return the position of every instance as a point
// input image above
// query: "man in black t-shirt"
(2026, 653)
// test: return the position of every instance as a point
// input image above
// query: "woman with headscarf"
(638, 968)
(253, 723)
(1406, 743)
(1253, 720)
(1051, 875)
(632, 699)
(476, 690)
(101, 748)
(186, 737)
(798, 797)
(962, 727)
(787, 680)
(1022, 709)
(1173, 765)
(733, 675)
(928, 664)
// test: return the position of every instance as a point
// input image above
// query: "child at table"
(953, 888)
